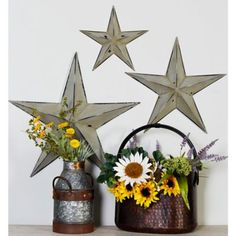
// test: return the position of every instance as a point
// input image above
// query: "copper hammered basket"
(169, 214)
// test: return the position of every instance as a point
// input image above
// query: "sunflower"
(170, 186)
(121, 191)
(133, 170)
(145, 194)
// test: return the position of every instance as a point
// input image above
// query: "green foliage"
(107, 174)
(59, 139)
(64, 112)
(178, 166)
(164, 177)
(183, 184)
(158, 156)
(128, 151)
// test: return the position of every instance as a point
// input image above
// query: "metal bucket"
(168, 215)
(73, 196)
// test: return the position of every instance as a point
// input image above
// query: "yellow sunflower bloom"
(145, 194)
(35, 120)
(63, 125)
(49, 125)
(121, 191)
(170, 186)
(74, 143)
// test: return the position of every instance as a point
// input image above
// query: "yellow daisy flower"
(170, 186)
(42, 134)
(63, 125)
(49, 125)
(35, 120)
(37, 127)
(145, 194)
(70, 131)
(74, 143)
(121, 191)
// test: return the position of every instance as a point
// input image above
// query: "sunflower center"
(170, 183)
(129, 187)
(145, 192)
(134, 170)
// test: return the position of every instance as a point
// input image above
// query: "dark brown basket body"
(168, 215)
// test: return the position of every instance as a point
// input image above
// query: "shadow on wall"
(90, 168)
(201, 196)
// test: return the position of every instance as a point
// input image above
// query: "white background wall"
(44, 35)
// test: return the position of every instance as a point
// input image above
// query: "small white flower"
(134, 169)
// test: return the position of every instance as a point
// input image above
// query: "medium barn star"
(113, 41)
(85, 119)
(176, 89)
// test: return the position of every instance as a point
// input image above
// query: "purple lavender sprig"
(203, 152)
(134, 142)
(184, 141)
(158, 146)
(190, 153)
(219, 158)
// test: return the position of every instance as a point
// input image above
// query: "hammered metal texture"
(74, 212)
(168, 215)
(78, 178)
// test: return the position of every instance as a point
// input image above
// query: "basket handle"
(66, 180)
(158, 125)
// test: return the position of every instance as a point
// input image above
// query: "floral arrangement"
(59, 139)
(135, 174)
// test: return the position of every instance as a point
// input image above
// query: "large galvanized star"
(85, 119)
(113, 41)
(176, 89)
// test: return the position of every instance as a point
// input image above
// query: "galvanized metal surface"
(74, 212)
(86, 120)
(78, 178)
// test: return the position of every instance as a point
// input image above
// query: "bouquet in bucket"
(136, 174)
(59, 139)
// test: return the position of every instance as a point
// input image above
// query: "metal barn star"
(176, 89)
(113, 41)
(85, 119)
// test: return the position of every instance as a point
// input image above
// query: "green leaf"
(111, 182)
(126, 152)
(158, 156)
(183, 184)
(166, 176)
(101, 178)
(108, 166)
(109, 157)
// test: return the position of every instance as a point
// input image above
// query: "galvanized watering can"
(73, 196)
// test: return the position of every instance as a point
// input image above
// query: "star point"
(113, 41)
(86, 119)
(176, 89)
